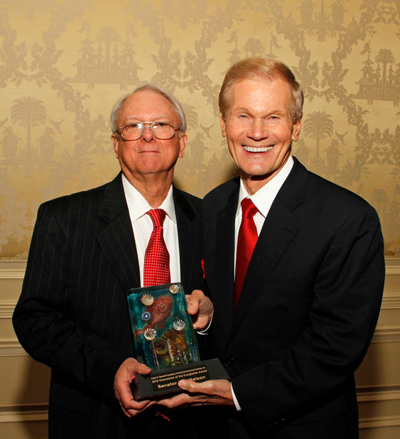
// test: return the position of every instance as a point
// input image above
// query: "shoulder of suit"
(326, 187)
(189, 197)
(328, 193)
(80, 197)
(188, 203)
(223, 190)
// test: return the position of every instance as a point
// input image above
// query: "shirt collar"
(265, 196)
(138, 205)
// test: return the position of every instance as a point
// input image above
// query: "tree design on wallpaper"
(319, 126)
(28, 112)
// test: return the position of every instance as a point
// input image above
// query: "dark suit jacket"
(308, 308)
(72, 314)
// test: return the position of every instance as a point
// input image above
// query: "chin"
(256, 172)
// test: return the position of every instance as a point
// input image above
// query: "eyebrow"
(241, 110)
(246, 110)
(161, 116)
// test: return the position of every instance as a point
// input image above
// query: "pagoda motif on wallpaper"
(106, 60)
(380, 78)
(320, 19)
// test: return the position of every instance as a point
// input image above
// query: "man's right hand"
(126, 374)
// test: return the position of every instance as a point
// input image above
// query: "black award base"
(164, 382)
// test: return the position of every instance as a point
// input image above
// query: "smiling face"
(148, 156)
(259, 129)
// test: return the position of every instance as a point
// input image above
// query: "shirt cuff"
(205, 330)
(238, 408)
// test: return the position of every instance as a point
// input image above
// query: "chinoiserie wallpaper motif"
(64, 64)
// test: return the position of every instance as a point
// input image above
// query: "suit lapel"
(225, 249)
(278, 230)
(116, 238)
(187, 233)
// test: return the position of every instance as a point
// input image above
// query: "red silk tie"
(246, 242)
(156, 258)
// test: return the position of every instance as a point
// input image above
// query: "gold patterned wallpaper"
(64, 64)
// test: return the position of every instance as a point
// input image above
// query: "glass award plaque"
(165, 340)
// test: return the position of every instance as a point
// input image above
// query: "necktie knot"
(157, 216)
(248, 208)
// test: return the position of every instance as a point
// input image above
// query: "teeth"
(253, 149)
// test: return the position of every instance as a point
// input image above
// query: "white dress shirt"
(143, 226)
(263, 200)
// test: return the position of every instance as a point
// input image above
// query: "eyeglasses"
(161, 130)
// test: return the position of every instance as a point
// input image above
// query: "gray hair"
(157, 89)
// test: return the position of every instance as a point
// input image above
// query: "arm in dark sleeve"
(44, 318)
(343, 315)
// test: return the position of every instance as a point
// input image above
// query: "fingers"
(126, 374)
(193, 301)
(200, 308)
(178, 401)
(216, 389)
(135, 407)
(206, 387)
(212, 392)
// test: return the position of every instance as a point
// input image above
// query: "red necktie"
(246, 242)
(156, 258)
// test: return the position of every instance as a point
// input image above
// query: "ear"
(182, 143)
(296, 131)
(115, 144)
(223, 127)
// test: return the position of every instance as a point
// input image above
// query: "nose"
(257, 130)
(147, 135)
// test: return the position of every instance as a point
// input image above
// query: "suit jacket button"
(229, 362)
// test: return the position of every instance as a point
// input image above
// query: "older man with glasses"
(88, 249)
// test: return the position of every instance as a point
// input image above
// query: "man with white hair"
(88, 249)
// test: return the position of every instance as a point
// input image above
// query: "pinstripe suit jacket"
(72, 314)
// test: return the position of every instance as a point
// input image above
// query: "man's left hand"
(200, 308)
